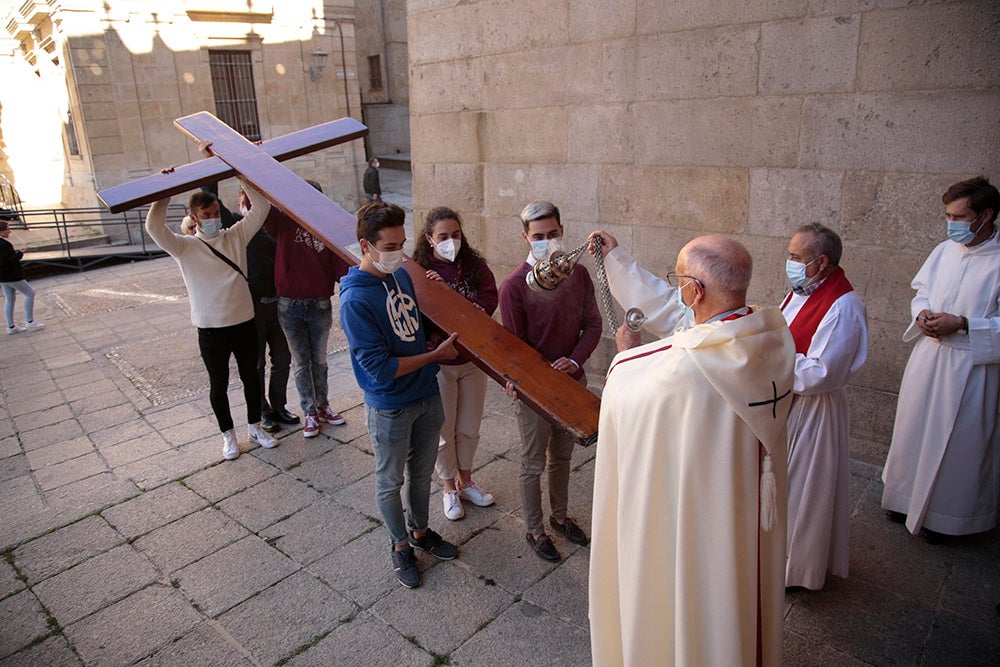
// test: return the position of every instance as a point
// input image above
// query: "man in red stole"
(828, 324)
(688, 552)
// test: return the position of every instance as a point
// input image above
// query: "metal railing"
(110, 235)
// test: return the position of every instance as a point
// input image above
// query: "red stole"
(812, 312)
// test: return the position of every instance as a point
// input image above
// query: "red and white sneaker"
(311, 429)
(327, 416)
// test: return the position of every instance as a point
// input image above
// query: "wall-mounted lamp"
(319, 57)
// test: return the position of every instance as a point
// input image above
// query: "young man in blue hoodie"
(379, 315)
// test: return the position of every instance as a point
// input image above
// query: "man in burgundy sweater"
(565, 326)
(305, 272)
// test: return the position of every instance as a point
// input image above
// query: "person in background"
(443, 250)
(371, 183)
(12, 280)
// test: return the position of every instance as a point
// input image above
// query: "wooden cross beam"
(502, 355)
(210, 170)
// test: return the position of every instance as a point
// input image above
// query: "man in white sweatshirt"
(213, 263)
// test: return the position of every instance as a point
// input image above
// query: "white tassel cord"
(768, 495)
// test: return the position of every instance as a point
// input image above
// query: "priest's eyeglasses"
(674, 279)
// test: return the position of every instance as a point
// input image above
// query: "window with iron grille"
(235, 98)
(375, 72)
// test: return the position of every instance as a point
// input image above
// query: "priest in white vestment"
(829, 326)
(832, 335)
(688, 551)
(943, 469)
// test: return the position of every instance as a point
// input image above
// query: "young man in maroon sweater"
(305, 272)
(565, 326)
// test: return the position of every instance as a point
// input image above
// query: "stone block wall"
(661, 121)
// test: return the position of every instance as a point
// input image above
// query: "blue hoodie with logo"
(382, 322)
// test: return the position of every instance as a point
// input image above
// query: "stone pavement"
(127, 539)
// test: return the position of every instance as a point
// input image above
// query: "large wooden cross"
(494, 349)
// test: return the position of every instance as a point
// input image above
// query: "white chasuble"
(819, 439)
(943, 467)
(681, 571)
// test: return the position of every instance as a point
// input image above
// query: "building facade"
(384, 79)
(92, 88)
(662, 121)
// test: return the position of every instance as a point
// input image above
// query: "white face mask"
(448, 249)
(389, 260)
(210, 227)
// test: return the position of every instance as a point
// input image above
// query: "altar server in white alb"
(829, 326)
(943, 468)
(687, 563)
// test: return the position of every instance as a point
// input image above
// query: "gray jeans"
(405, 443)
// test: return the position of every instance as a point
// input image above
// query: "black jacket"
(10, 263)
(371, 182)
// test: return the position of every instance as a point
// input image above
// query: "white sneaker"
(230, 450)
(452, 505)
(15, 329)
(34, 324)
(477, 496)
(262, 437)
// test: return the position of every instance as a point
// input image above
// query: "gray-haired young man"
(565, 326)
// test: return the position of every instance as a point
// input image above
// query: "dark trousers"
(216, 345)
(270, 338)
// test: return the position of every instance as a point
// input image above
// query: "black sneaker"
(435, 545)
(404, 564)
(895, 517)
(283, 416)
(572, 531)
(543, 547)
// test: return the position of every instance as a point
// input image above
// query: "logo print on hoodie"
(403, 315)
(302, 236)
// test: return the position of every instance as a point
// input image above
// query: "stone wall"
(661, 121)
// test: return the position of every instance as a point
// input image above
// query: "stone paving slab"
(92, 585)
(23, 621)
(62, 549)
(287, 617)
(207, 644)
(316, 530)
(189, 539)
(232, 574)
(363, 641)
(128, 630)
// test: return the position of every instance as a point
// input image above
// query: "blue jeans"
(306, 323)
(405, 443)
(10, 291)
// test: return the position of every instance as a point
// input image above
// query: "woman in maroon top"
(442, 250)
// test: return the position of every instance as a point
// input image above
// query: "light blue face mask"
(687, 310)
(540, 249)
(796, 272)
(960, 231)
(210, 227)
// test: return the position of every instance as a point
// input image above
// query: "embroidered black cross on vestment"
(772, 401)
